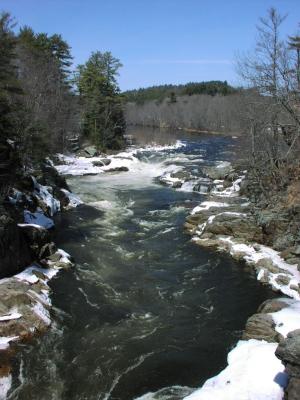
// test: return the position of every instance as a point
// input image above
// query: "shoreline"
(188, 130)
(25, 306)
(224, 223)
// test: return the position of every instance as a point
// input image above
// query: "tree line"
(44, 102)
(196, 112)
(172, 92)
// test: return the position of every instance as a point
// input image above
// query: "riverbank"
(30, 259)
(227, 222)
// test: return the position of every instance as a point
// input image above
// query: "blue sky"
(158, 41)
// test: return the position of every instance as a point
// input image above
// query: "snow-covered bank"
(253, 372)
(25, 308)
(25, 303)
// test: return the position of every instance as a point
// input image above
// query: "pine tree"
(8, 74)
(103, 119)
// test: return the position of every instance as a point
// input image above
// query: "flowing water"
(145, 310)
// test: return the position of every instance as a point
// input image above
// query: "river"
(145, 310)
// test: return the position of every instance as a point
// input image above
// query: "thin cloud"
(196, 61)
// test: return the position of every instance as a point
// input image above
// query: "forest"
(171, 92)
(44, 102)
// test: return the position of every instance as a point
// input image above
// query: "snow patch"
(253, 373)
(37, 218)
(206, 205)
(287, 319)
(4, 341)
(74, 200)
(5, 385)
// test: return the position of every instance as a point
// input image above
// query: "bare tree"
(273, 106)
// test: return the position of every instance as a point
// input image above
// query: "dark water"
(145, 308)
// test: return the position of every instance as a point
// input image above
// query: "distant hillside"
(161, 92)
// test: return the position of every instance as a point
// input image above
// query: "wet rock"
(117, 169)
(267, 264)
(47, 250)
(62, 197)
(101, 163)
(288, 351)
(283, 279)
(261, 327)
(90, 151)
(182, 175)
(272, 305)
(203, 185)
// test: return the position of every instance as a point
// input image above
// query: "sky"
(157, 41)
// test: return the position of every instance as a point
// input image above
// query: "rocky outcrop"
(15, 252)
(289, 352)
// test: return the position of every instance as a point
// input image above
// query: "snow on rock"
(74, 200)
(287, 319)
(10, 316)
(253, 373)
(5, 385)
(231, 191)
(4, 341)
(253, 254)
(37, 218)
(42, 313)
(73, 165)
(43, 193)
(206, 205)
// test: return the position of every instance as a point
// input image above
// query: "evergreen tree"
(8, 76)
(103, 120)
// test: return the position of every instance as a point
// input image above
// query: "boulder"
(101, 163)
(117, 169)
(288, 351)
(182, 175)
(272, 305)
(261, 327)
(36, 238)
(90, 151)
